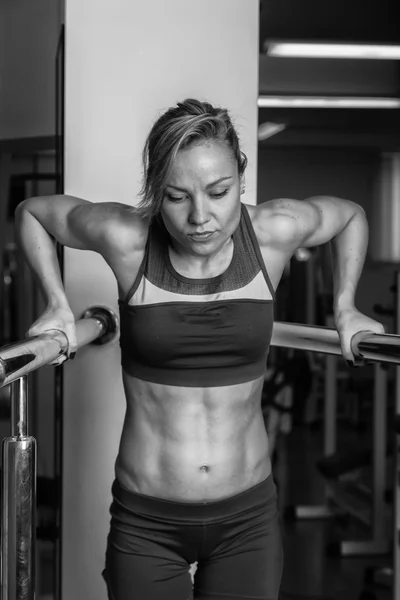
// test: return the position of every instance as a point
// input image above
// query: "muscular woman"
(197, 271)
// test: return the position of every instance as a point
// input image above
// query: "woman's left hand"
(349, 322)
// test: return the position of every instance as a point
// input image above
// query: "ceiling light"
(326, 102)
(268, 129)
(333, 50)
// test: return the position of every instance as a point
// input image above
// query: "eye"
(220, 195)
(175, 198)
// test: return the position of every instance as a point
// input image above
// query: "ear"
(243, 184)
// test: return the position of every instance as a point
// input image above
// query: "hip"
(259, 499)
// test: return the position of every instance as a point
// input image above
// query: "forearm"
(349, 250)
(40, 253)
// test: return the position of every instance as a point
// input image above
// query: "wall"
(125, 63)
(304, 172)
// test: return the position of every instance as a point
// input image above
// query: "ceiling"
(335, 20)
(367, 21)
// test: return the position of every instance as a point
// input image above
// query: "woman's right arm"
(37, 222)
(71, 221)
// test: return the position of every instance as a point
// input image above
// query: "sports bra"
(188, 332)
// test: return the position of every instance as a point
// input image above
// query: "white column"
(126, 62)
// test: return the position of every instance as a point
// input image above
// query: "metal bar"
(99, 325)
(396, 455)
(58, 398)
(330, 406)
(311, 292)
(18, 489)
(374, 347)
(20, 358)
(18, 503)
(364, 548)
(22, 409)
(319, 511)
(19, 408)
(396, 491)
(345, 496)
(379, 424)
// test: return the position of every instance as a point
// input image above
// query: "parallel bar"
(20, 358)
(18, 485)
(21, 421)
(364, 548)
(396, 454)
(18, 505)
(330, 406)
(347, 498)
(374, 347)
(379, 423)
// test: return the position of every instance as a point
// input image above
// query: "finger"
(72, 342)
(70, 346)
(356, 340)
(58, 361)
(73, 345)
(355, 362)
(30, 333)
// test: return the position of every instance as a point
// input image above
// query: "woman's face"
(201, 205)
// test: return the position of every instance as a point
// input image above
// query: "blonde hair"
(190, 122)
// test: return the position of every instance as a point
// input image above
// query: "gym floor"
(309, 573)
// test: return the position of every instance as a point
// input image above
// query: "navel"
(204, 468)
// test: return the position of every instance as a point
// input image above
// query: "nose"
(199, 214)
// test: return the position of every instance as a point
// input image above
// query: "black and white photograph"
(199, 300)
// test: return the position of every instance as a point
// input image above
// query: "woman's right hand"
(61, 319)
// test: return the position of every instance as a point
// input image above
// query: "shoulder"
(115, 227)
(283, 222)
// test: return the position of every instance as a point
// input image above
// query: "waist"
(156, 508)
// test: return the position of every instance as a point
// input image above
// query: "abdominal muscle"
(192, 444)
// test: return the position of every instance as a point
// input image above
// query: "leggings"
(236, 542)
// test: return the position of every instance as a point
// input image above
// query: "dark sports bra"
(198, 332)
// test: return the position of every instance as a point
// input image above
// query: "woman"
(197, 272)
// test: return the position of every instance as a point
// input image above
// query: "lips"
(201, 236)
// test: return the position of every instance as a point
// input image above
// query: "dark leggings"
(235, 541)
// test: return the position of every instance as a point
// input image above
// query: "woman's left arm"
(322, 219)
(344, 224)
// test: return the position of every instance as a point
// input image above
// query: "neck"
(195, 266)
